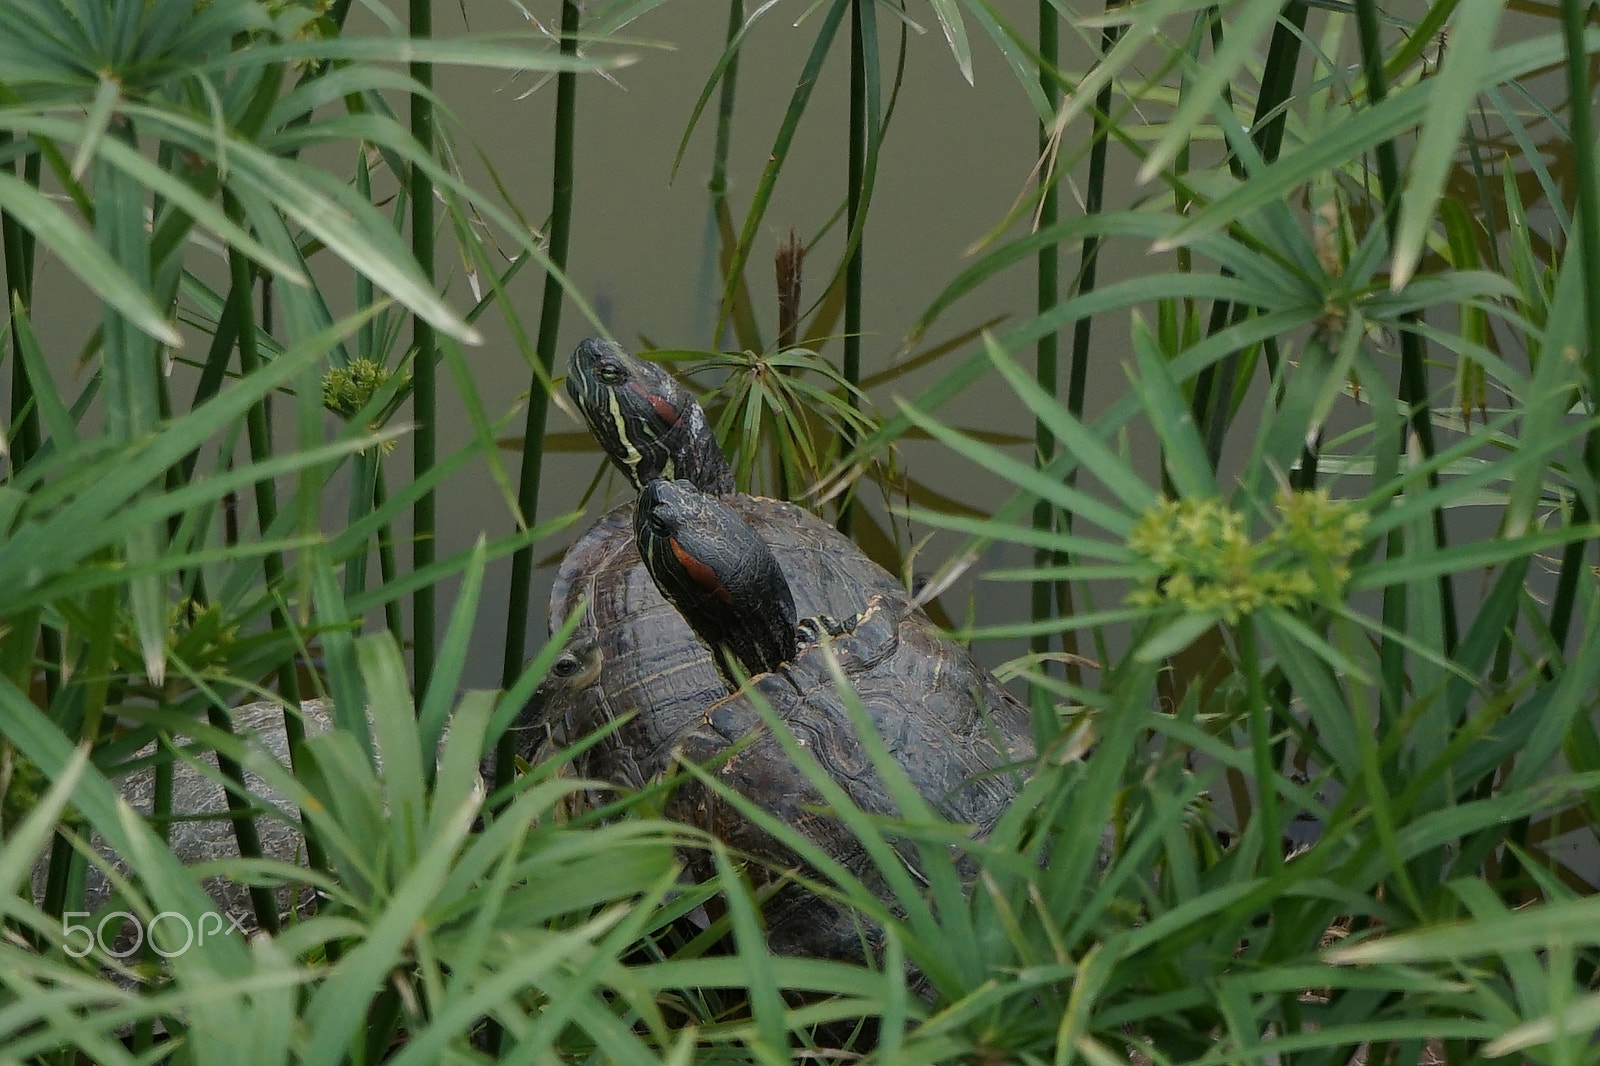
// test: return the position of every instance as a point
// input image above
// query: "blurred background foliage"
(1312, 611)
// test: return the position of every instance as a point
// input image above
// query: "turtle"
(958, 735)
(650, 426)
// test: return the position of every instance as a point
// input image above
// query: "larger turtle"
(958, 736)
(631, 651)
(633, 658)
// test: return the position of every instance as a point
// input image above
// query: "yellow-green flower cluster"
(1202, 558)
(346, 389)
(200, 634)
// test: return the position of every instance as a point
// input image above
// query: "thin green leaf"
(1455, 88)
(955, 34)
(79, 252)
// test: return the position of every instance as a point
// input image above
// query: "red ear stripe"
(663, 408)
(699, 572)
(669, 414)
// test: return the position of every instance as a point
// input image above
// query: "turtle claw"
(809, 631)
(814, 630)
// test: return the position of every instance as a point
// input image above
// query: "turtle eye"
(610, 374)
(567, 665)
(659, 524)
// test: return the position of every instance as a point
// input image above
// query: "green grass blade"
(78, 251)
(1455, 89)
(452, 658)
(1183, 452)
(955, 35)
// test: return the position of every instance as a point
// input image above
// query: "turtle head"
(649, 425)
(723, 579)
(549, 715)
(576, 668)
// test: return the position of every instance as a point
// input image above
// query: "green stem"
(244, 828)
(856, 165)
(1216, 385)
(259, 435)
(1413, 368)
(1048, 295)
(1574, 13)
(1277, 81)
(18, 243)
(87, 721)
(1261, 746)
(1088, 258)
(26, 436)
(424, 401)
(363, 473)
(1094, 198)
(561, 189)
(725, 99)
(242, 813)
(388, 564)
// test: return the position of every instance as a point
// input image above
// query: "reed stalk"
(367, 472)
(388, 560)
(1585, 171)
(1263, 754)
(561, 189)
(424, 378)
(1216, 384)
(1082, 329)
(18, 246)
(718, 184)
(856, 165)
(1413, 374)
(241, 812)
(1047, 295)
(258, 433)
(719, 236)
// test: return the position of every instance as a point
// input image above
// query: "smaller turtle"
(743, 609)
(957, 734)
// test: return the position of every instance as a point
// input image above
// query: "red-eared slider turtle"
(631, 639)
(957, 734)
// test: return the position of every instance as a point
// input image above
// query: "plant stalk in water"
(856, 168)
(423, 382)
(1048, 271)
(1574, 15)
(18, 248)
(1088, 259)
(538, 400)
(1413, 372)
(259, 435)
